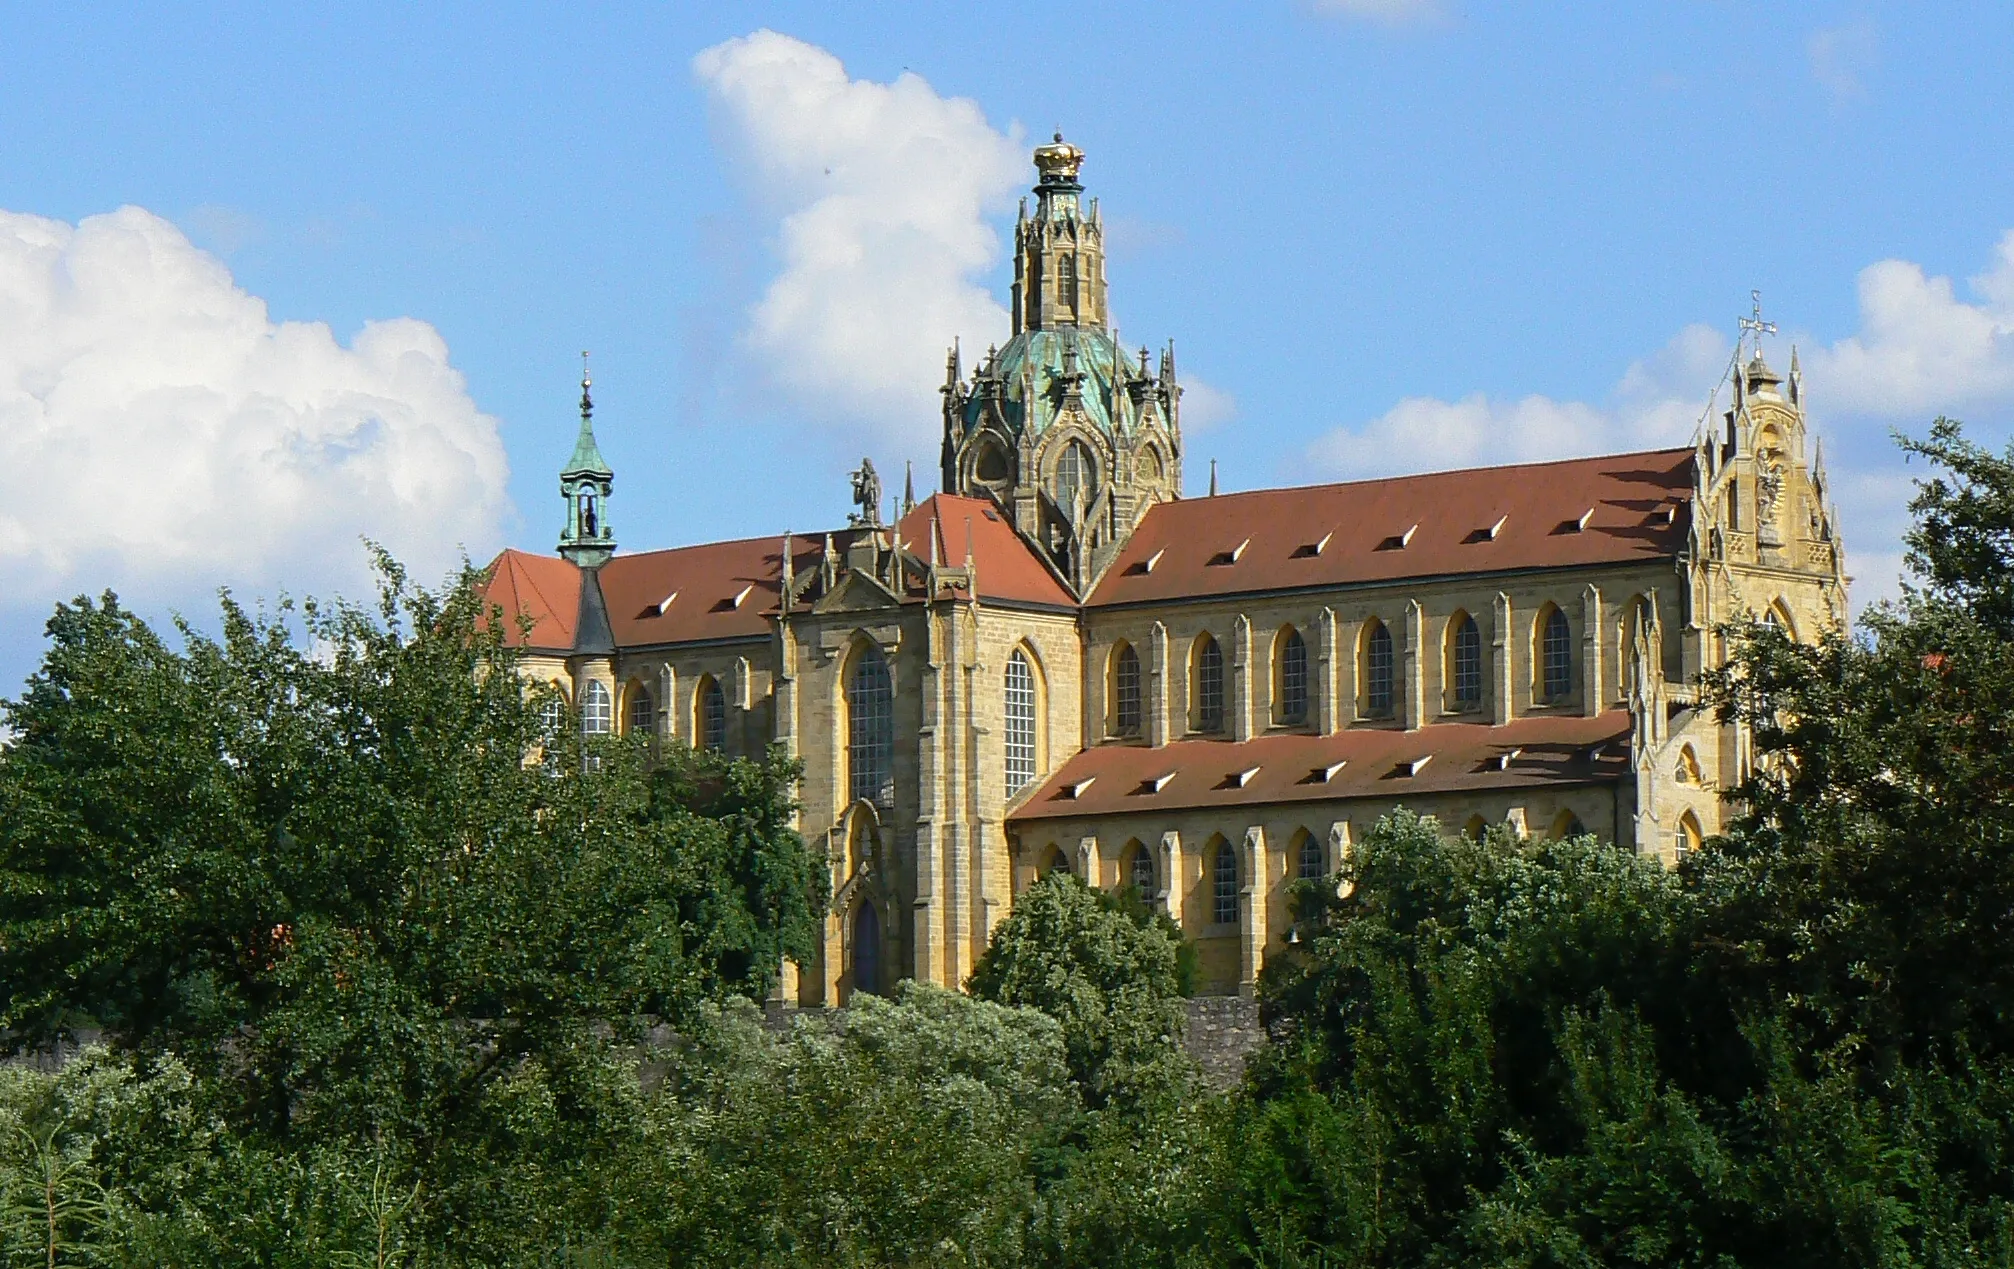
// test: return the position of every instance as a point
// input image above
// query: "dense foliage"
(390, 975)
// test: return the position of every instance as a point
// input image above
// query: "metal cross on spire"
(1754, 324)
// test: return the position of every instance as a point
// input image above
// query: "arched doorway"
(867, 949)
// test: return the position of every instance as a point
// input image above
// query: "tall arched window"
(1378, 670)
(870, 738)
(1020, 701)
(642, 711)
(1224, 885)
(1465, 662)
(866, 949)
(1310, 862)
(552, 714)
(1126, 691)
(1293, 677)
(1209, 685)
(1557, 654)
(712, 715)
(1074, 473)
(597, 710)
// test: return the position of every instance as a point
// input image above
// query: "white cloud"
(161, 434)
(1205, 406)
(882, 191)
(1658, 402)
(1841, 56)
(1385, 12)
(1920, 348)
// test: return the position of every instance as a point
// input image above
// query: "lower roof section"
(1356, 763)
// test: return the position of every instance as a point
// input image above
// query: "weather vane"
(1754, 323)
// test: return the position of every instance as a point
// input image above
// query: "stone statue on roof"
(866, 496)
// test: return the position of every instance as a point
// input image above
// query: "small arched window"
(1140, 869)
(1689, 835)
(1378, 670)
(1309, 865)
(1293, 677)
(552, 714)
(1209, 685)
(597, 710)
(642, 711)
(1556, 652)
(1465, 659)
(1476, 829)
(1126, 691)
(1224, 885)
(712, 715)
(870, 716)
(1566, 824)
(1020, 703)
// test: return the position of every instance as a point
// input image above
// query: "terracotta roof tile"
(1008, 569)
(542, 587)
(1374, 762)
(730, 590)
(1534, 515)
(716, 590)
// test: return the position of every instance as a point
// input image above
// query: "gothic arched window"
(1293, 672)
(642, 711)
(870, 715)
(552, 714)
(597, 710)
(1224, 885)
(1020, 702)
(1378, 670)
(1209, 685)
(1465, 661)
(1558, 656)
(712, 715)
(1126, 691)
(1074, 472)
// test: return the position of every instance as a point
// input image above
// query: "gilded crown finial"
(1058, 161)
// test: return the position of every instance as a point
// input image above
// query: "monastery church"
(1062, 662)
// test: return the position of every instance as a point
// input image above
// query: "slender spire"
(587, 459)
(908, 487)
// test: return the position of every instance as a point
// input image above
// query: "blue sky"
(1385, 235)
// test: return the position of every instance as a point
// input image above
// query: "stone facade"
(1059, 662)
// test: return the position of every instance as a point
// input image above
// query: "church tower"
(585, 484)
(1061, 427)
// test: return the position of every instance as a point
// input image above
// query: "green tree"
(1108, 970)
(909, 1133)
(325, 868)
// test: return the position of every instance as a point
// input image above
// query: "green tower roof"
(587, 459)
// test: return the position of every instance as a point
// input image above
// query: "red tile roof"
(1376, 762)
(729, 590)
(716, 590)
(540, 587)
(1479, 520)
(1008, 570)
